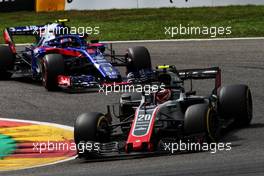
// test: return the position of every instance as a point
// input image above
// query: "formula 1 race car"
(62, 59)
(147, 122)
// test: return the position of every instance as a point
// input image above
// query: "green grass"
(138, 24)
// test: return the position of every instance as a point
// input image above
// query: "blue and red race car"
(67, 60)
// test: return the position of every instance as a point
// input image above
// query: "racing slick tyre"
(90, 127)
(201, 119)
(6, 62)
(138, 58)
(235, 101)
(52, 67)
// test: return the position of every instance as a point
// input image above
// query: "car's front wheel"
(138, 59)
(52, 67)
(90, 127)
(201, 119)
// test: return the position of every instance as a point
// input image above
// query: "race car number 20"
(142, 124)
(144, 117)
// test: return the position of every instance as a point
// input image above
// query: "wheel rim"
(212, 125)
(44, 74)
(102, 127)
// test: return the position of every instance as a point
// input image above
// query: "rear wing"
(23, 30)
(204, 73)
(33, 30)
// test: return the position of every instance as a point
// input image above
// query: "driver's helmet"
(163, 96)
(46, 38)
(165, 78)
(48, 32)
(169, 79)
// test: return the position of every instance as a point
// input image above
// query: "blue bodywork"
(97, 58)
(48, 42)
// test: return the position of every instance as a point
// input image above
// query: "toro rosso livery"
(65, 60)
(146, 122)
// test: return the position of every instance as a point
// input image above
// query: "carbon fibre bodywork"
(146, 123)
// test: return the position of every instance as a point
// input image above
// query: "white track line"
(172, 40)
(42, 123)
(184, 40)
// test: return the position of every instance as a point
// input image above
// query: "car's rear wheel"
(235, 101)
(92, 127)
(138, 58)
(201, 119)
(52, 67)
(6, 62)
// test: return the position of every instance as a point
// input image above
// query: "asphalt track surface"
(242, 61)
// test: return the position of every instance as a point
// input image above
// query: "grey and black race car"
(171, 114)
